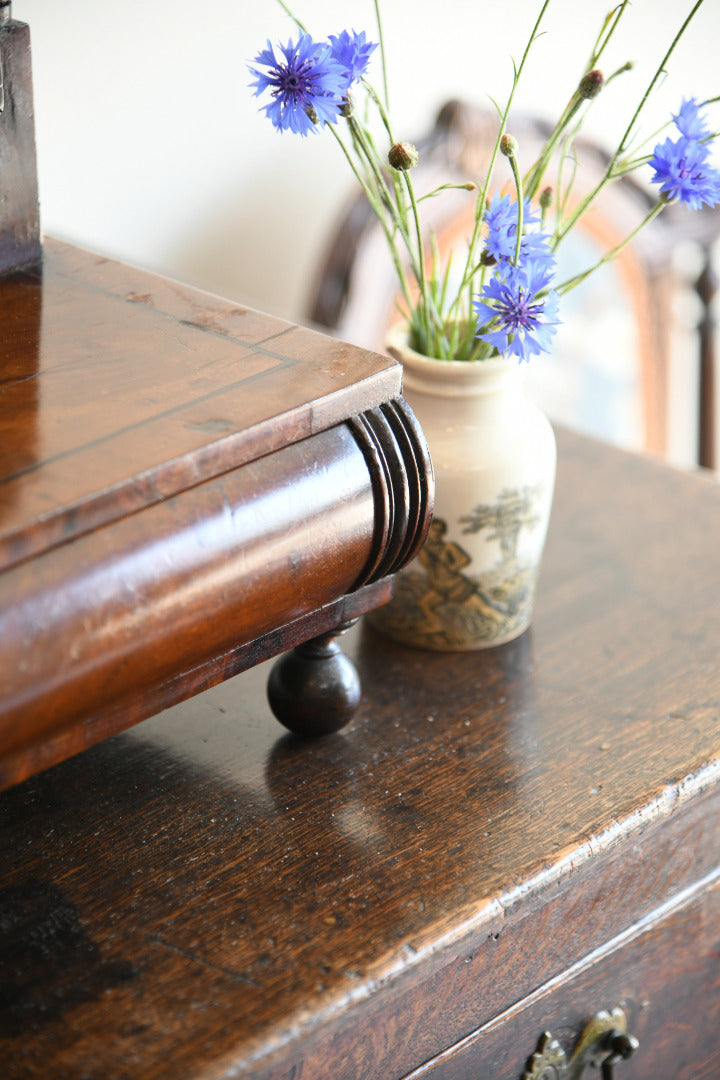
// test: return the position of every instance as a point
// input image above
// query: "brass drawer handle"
(603, 1043)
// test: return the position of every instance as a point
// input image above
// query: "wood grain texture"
(119, 389)
(200, 898)
(90, 630)
(673, 1009)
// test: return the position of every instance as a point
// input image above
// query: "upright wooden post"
(19, 207)
(706, 287)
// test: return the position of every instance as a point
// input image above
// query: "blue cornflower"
(501, 220)
(512, 317)
(307, 88)
(352, 52)
(681, 165)
(682, 171)
(689, 122)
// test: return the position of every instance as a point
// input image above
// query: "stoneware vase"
(473, 584)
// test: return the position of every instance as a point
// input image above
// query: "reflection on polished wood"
(501, 843)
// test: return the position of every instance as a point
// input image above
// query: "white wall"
(151, 147)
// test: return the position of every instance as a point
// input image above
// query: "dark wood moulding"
(181, 479)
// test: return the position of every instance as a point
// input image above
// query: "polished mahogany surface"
(499, 842)
(119, 389)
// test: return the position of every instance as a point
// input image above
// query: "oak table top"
(202, 897)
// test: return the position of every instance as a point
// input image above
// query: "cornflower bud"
(347, 109)
(403, 156)
(311, 113)
(620, 71)
(508, 146)
(546, 198)
(591, 84)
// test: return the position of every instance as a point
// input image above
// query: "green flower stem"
(397, 210)
(382, 112)
(660, 72)
(294, 18)
(630, 164)
(398, 188)
(565, 286)
(377, 208)
(422, 280)
(419, 267)
(611, 20)
(612, 171)
(535, 174)
(470, 186)
(481, 200)
(367, 159)
(562, 195)
(520, 205)
(446, 275)
(365, 150)
(620, 71)
(382, 54)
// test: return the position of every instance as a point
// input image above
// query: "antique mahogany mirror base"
(187, 487)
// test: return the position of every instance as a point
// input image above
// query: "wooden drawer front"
(664, 973)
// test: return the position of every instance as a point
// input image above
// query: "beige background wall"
(151, 147)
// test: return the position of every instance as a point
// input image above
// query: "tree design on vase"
(513, 511)
(441, 603)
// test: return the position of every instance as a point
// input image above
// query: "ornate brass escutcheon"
(603, 1043)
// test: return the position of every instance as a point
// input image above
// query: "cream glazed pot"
(473, 584)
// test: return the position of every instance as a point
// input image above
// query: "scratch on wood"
(237, 976)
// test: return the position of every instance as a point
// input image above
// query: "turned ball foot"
(314, 689)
